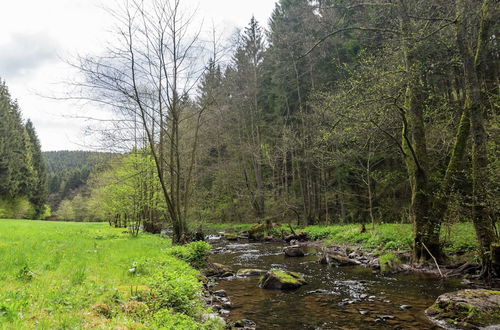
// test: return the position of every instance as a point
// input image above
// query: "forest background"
(340, 112)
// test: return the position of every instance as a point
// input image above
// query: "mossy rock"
(257, 231)
(245, 272)
(466, 309)
(219, 270)
(294, 251)
(231, 236)
(277, 279)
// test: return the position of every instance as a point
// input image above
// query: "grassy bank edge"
(457, 239)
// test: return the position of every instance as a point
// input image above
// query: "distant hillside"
(68, 172)
(61, 161)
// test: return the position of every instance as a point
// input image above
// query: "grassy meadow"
(56, 275)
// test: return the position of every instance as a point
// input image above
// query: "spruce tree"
(38, 195)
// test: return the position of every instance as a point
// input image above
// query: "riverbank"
(390, 244)
(87, 275)
(457, 239)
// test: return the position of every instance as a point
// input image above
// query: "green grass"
(56, 275)
(385, 236)
(456, 238)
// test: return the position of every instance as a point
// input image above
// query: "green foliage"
(22, 170)
(387, 261)
(459, 238)
(175, 286)
(38, 194)
(16, 208)
(195, 253)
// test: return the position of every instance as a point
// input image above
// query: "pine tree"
(38, 195)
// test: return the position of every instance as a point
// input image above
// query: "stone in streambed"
(244, 324)
(219, 270)
(257, 232)
(250, 272)
(467, 309)
(231, 236)
(293, 251)
(281, 280)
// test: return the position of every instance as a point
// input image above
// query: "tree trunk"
(472, 54)
(414, 143)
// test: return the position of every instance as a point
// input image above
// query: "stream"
(334, 298)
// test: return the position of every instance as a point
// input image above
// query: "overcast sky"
(37, 36)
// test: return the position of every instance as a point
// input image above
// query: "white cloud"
(36, 35)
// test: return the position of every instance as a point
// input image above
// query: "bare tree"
(147, 76)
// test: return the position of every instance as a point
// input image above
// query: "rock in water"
(257, 232)
(231, 236)
(244, 324)
(219, 270)
(250, 272)
(467, 309)
(293, 251)
(276, 279)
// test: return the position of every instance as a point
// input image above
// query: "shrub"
(174, 286)
(194, 253)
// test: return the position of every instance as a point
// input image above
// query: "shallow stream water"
(334, 298)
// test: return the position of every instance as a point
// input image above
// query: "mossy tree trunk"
(426, 229)
(472, 36)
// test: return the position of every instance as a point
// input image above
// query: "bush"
(174, 286)
(17, 208)
(194, 253)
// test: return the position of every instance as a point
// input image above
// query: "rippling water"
(334, 298)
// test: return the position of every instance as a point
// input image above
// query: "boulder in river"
(277, 279)
(231, 236)
(257, 231)
(219, 270)
(244, 272)
(293, 251)
(244, 324)
(467, 309)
